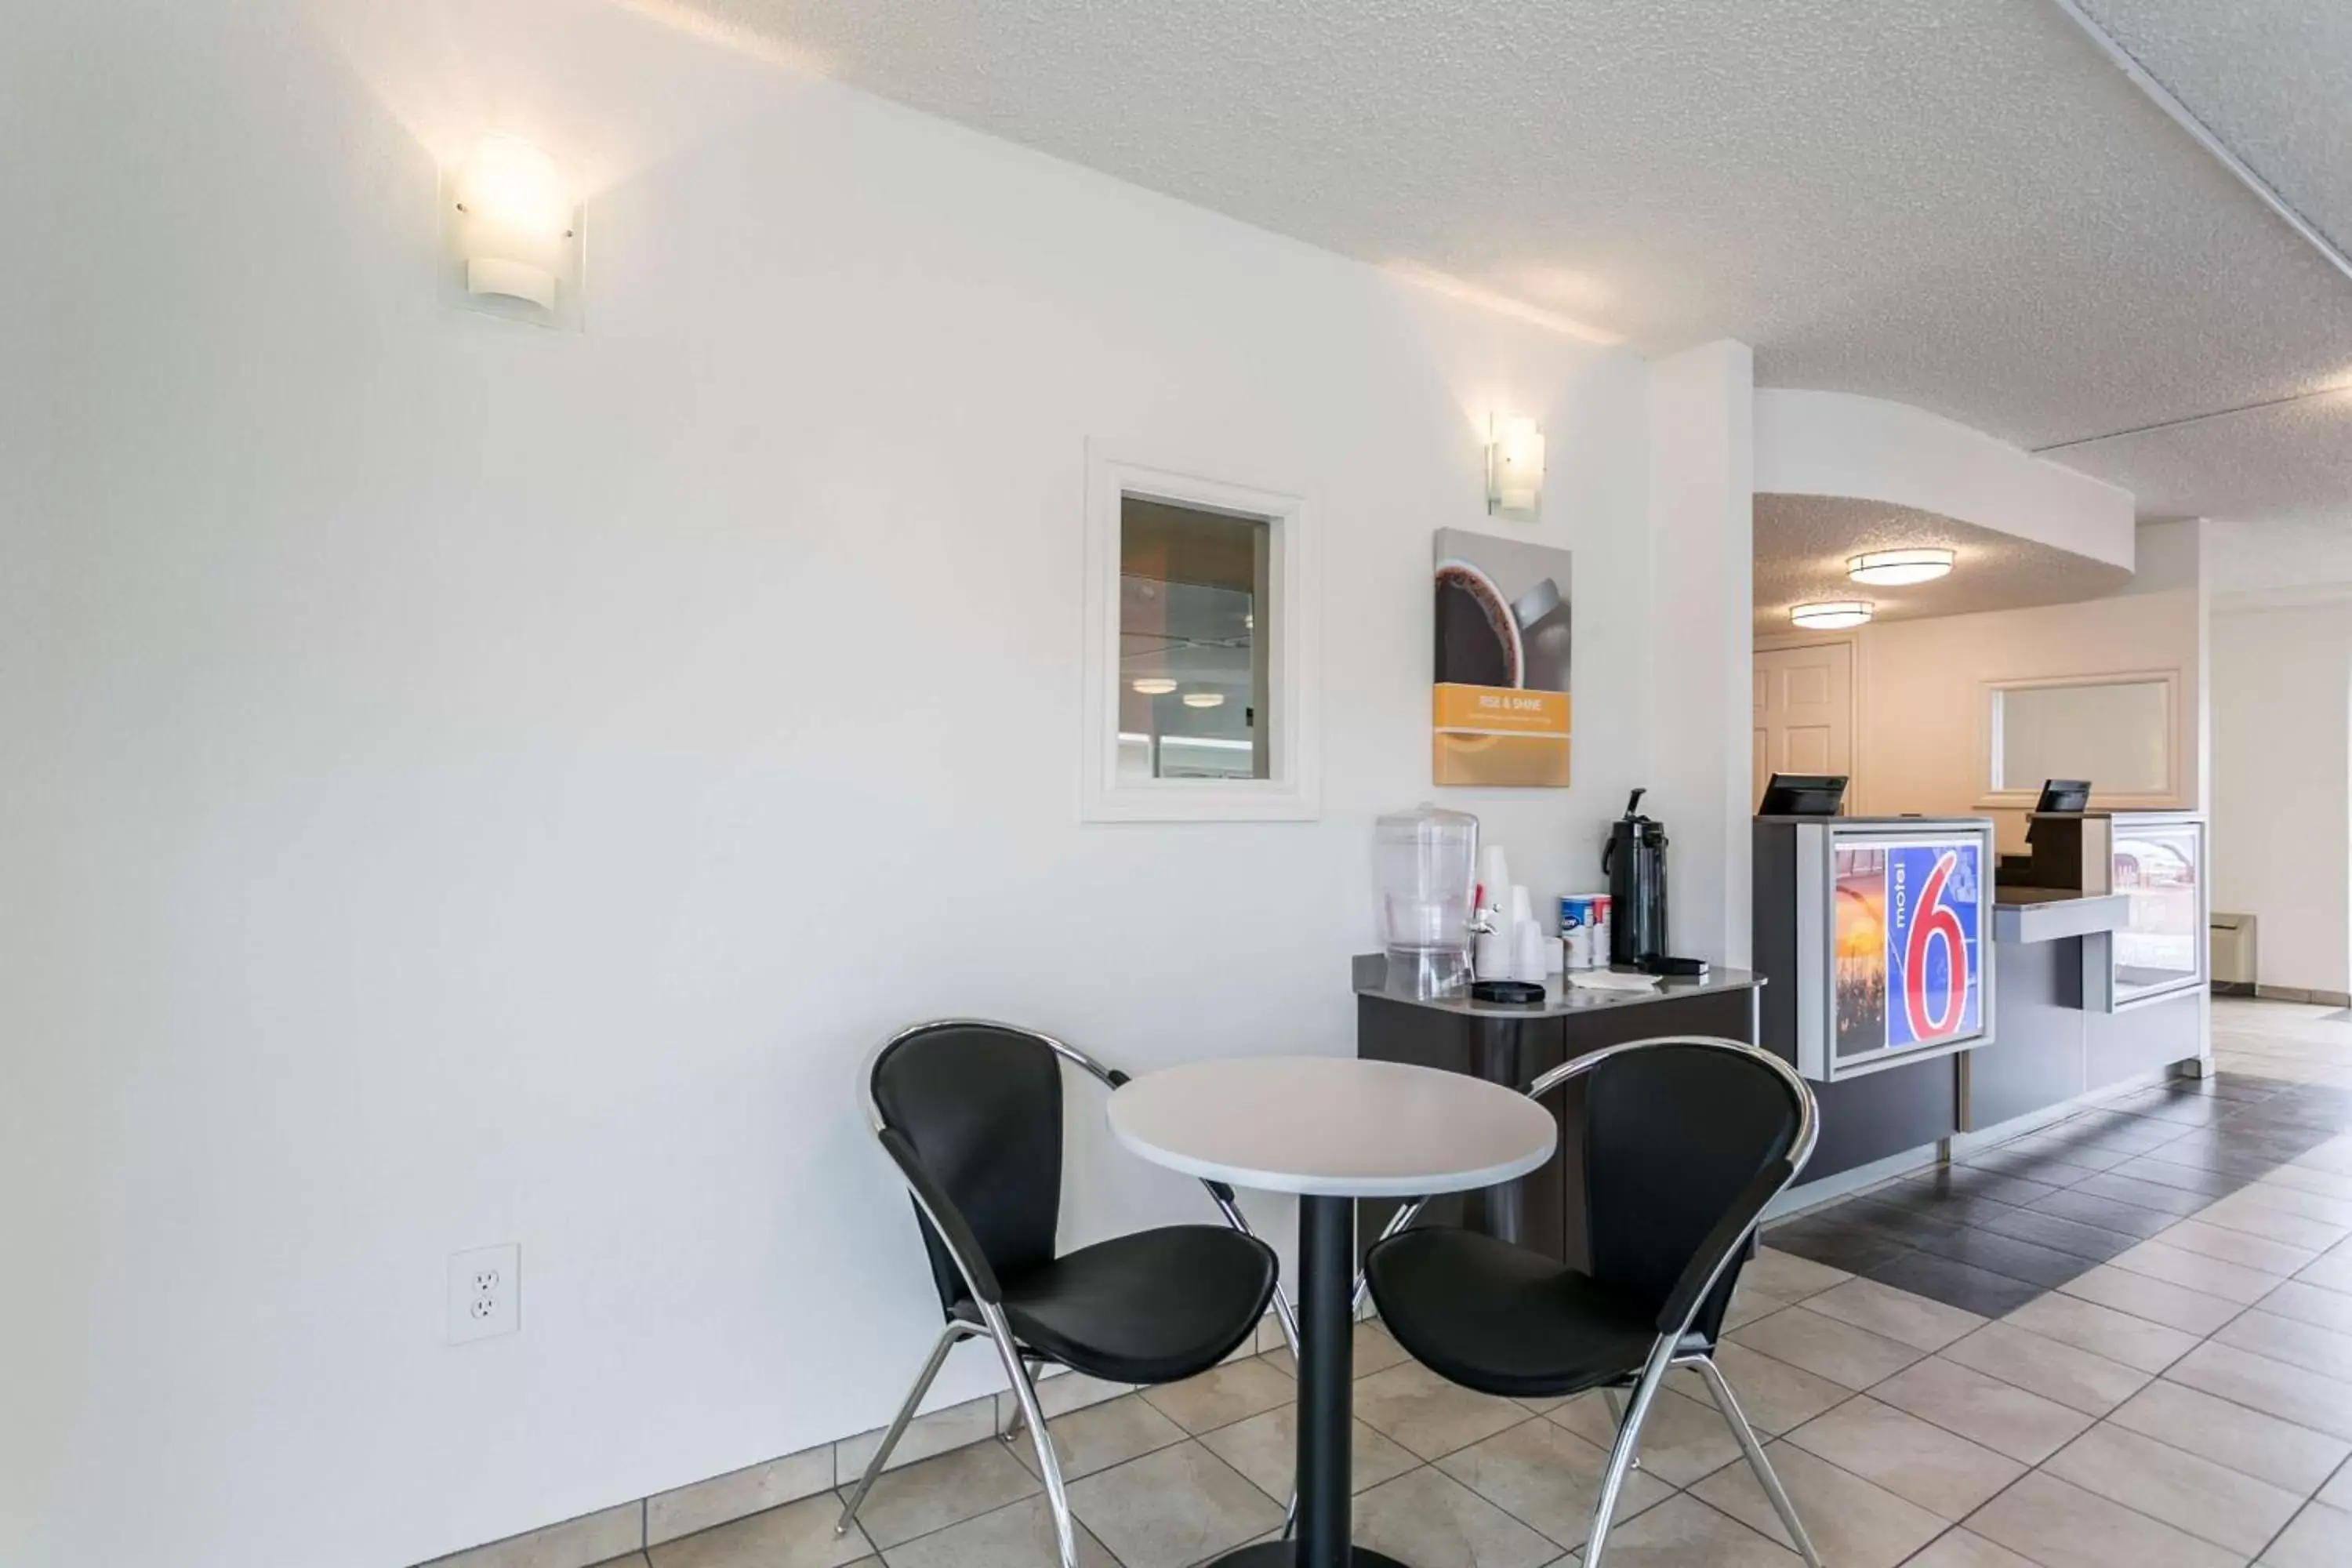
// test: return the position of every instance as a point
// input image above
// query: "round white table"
(1331, 1129)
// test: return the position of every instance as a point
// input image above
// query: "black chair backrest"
(1673, 1134)
(981, 1104)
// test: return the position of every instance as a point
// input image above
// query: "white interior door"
(1804, 711)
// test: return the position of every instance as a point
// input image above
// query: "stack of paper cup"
(1529, 955)
(1520, 938)
(1495, 875)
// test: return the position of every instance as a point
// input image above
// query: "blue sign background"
(1910, 870)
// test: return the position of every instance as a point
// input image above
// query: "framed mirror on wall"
(2121, 731)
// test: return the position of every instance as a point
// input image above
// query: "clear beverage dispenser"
(1427, 863)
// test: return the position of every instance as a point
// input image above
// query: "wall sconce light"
(1831, 615)
(511, 235)
(1515, 466)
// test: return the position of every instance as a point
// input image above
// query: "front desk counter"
(1514, 1045)
(2100, 939)
(2052, 1040)
(2080, 990)
(1838, 902)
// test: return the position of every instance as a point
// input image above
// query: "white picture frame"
(1292, 791)
(1994, 796)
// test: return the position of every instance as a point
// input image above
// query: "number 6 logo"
(1935, 921)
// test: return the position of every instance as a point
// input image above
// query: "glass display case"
(2158, 862)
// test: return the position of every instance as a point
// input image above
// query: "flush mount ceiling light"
(1204, 699)
(510, 230)
(1899, 568)
(1151, 686)
(1515, 466)
(1832, 616)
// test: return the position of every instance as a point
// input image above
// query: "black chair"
(970, 1111)
(1685, 1142)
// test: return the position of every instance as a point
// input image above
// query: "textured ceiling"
(2265, 75)
(1802, 543)
(1960, 207)
(2290, 462)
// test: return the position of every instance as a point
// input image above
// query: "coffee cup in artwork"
(1478, 637)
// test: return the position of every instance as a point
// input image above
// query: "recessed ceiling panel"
(1802, 543)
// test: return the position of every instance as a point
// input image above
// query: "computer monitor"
(1803, 795)
(2060, 796)
(2064, 795)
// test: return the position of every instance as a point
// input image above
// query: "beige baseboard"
(2304, 994)
(632, 1527)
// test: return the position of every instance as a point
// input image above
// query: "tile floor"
(2123, 1341)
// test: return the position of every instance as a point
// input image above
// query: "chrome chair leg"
(1283, 1314)
(1286, 1318)
(1403, 1217)
(1615, 1399)
(1620, 1453)
(1010, 1431)
(951, 1336)
(1738, 1419)
(1048, 1465)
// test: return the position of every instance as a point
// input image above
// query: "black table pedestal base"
(1284, 1553)
(1327, 1268)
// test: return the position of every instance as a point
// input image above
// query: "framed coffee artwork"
(1500, 711)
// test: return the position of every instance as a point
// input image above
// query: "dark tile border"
(2004, 1223)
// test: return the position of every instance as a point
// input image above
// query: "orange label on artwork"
(1500, 711)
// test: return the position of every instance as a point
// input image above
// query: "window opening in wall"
(2117, 731)
(1201, 640)
(1195, 625)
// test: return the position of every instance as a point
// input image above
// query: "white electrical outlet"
(484, 1292)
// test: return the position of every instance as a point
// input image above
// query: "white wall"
(2282, 554)
(2281, 764)
(1702, 510)
(470, 784)
(1841, 444)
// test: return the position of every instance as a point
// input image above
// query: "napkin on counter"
(1610, 980)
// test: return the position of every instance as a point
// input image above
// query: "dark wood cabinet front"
(1545, 1209)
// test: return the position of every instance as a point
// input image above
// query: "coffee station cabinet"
(1414, 1004)
(1512, 1045)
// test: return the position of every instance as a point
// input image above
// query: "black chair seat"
(1503, 1320)
(1150, 1307)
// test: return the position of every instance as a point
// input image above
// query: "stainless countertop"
(1372, 971)
(2023, 897)
(2052, 914)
